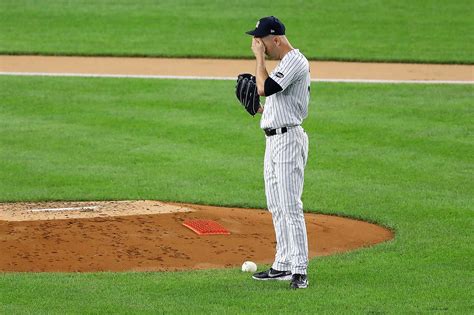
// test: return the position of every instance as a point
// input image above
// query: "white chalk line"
(65, 209)
(185, 77)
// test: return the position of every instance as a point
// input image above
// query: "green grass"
(399, 155)
(368, 30)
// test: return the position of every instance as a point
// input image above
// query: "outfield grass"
(399, 155)
(367, 30)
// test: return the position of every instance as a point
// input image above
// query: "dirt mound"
(149, 236)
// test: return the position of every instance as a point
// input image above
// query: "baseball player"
(287, 90)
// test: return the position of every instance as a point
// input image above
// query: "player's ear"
(277, 40)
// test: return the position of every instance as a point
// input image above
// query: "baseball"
(249, 266)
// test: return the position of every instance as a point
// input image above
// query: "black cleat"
(299, 281)
(272, 274)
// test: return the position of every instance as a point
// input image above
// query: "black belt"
(272, 132)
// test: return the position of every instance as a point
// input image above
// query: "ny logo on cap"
(272, 31)
(258, 23)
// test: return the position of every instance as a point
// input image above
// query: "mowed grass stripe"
(391, 30)
(398, 155)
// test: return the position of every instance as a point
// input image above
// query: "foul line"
(184, 77)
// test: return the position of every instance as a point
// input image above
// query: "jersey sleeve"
(288, 71)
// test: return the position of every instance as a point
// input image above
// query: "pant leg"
(290, 158)
(282, 255)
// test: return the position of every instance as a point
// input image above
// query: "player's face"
(269, 46)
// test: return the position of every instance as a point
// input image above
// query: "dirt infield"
(229, 68)
(149, 236)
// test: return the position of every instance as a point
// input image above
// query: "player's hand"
(258, 47)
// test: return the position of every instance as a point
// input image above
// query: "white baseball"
(249, 266)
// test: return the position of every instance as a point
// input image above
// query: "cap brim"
(255, 33)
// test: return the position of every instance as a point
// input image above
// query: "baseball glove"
(246, 92)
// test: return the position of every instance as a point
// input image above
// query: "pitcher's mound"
(150, 236)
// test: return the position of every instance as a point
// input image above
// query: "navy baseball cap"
(269, 25)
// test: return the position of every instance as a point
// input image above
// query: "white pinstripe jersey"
(290, 106)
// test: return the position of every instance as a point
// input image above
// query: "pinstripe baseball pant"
(285, 159)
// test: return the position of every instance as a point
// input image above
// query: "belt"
(277, 131)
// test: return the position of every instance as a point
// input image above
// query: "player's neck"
(285, 49)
